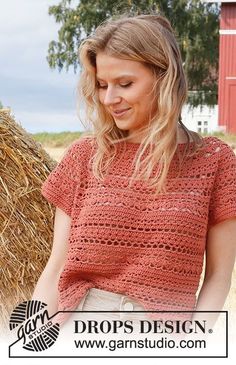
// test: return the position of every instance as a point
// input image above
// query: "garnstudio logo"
(34, 326)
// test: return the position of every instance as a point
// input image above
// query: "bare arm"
(46, 289)
(220, 258)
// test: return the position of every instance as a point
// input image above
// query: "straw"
(26, 224)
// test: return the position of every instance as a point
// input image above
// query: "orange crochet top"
(125, 240)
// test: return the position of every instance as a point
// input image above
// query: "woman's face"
(125, 90)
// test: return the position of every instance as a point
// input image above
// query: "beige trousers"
(102, 300)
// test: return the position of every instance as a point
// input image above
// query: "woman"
(139, 201)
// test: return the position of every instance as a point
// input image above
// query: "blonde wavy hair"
(148, 39)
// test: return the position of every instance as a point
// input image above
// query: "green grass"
(64, 139)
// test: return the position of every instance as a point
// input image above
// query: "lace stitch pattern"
(127, 241)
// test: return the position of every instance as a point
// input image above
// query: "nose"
(111, 97)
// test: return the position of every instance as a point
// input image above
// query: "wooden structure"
(227, 66)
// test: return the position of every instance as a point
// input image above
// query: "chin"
(122, 127)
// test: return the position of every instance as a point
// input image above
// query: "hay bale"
(26, 225)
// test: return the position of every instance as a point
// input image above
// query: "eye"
(105, 86)
(101, 86)
(126, 85)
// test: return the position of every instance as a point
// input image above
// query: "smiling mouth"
(120, 112)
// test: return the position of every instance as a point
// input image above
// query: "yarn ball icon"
(31, 321)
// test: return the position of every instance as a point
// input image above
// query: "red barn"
(227, 66)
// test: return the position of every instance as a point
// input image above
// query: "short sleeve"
(60, 186)
(223, 197)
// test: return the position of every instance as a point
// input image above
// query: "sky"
(41, 99)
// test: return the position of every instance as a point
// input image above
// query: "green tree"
(195, 23)
(1, 105)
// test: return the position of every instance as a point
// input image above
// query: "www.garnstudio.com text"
(162, 343)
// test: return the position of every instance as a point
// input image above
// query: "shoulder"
(83, 143)
(220, 156)
(218, 148)
(81, 147)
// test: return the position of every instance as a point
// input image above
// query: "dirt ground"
(55, 153)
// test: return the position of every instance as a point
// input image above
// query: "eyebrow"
(119, 77)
